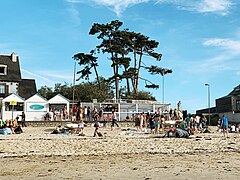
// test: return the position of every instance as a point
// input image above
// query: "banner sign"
(36, 107)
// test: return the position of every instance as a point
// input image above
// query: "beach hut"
(36, 108)
(57, 104)
(12, 106)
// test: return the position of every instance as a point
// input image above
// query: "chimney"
(14, 57)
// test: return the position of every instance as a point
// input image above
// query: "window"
(238, 105)
(2, 89)
(3, 70)
(18, 107)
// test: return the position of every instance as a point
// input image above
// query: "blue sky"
(199, 40)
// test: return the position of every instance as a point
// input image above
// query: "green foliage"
(157, 70)
(142, 95)
(84, 92)
(127, 51)
(46, 92)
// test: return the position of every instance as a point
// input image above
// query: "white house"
(36, 108)
(58, 102)
(12, 106)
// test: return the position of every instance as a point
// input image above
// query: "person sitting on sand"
(171, 131)
(57, 130)
(80, 128)
(6, 130)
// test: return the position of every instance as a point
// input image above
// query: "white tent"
(36, 108)
(12, 106)
(58, 102)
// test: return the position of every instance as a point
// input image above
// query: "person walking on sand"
(114, 121)
(97, 126)
(224, 125)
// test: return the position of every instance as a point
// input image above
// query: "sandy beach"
(120, 154)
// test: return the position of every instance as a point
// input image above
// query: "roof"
(58, 99)
(13, 69)
(13, 97)
(27, 88)
(235, 91)
(36, 98)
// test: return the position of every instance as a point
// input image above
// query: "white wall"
(35, 116)
(8, 115)
(12, 87)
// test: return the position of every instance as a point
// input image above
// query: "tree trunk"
(98, 80)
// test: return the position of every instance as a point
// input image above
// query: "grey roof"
(13, 69)
(235, 91)
(27, 88)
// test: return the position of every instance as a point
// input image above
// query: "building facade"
(11, 81)
(228, 106)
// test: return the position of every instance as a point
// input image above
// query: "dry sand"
(37, 154)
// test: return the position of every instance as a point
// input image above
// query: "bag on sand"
(99, 134)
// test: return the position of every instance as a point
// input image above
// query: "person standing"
(162, 122)
(141, 121)
(157, 123)
(224, 125)
(85, 113)
(23, 120)
(114, 121)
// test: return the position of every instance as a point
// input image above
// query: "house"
(11, 81)
(228, 106)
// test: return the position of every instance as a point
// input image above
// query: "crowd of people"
(154, 122)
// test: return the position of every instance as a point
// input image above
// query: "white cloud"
(219, 6)
(74, 14)
(209, 67)
(36, 75)
(50, 78)
(202, 6)
(231, 46)
(118, 6)
(228, 52)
